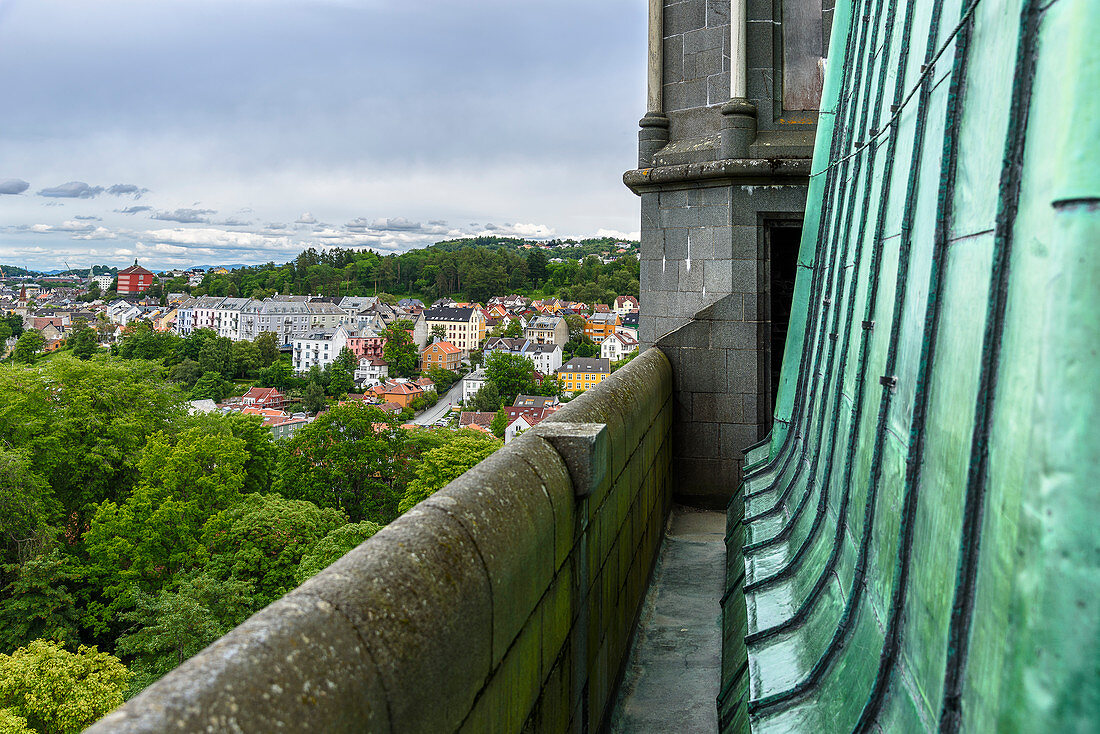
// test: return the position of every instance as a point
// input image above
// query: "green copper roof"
(915, 548)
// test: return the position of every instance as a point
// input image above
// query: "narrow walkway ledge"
(671, 679)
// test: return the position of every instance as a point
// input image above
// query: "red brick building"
(134, 279)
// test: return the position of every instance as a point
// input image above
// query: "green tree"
(442, 378)
(171, 626)
(262, 539)
(211, 386)
(28, 510)
(28, 346)
(347, 458)
(216, 355)
(445, 463)
(268, 345)
(333, 547)
(485, 400)
(499, 424)
(85, 438)
(156, 532)
(512, 374)
(400, 351)
(278, 374)
(313, 397)
(60, 691)
(186, 372)
(438, 332)
(39, 602)
(83, 340)
(261, 462)
(246, 358)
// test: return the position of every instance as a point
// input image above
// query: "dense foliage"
(474, 268)
(133, 534)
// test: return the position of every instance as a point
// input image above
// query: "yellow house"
(583, 373)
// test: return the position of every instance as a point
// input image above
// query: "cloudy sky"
(197, 132)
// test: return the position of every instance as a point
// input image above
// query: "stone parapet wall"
(504, 602)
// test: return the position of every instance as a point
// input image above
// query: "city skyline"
(241, 132)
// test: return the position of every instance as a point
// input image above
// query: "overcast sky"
(192, 132)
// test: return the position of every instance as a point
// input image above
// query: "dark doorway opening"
(782, 239)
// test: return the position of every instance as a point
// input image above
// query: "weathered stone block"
(735, 438)
(296, 665)
(691, 278)
(718, 276)
(744, 276)
(501, 505)
(676, 239)
(685, 16)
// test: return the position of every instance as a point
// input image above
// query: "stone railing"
(504, 602)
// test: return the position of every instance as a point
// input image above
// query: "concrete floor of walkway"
(672, 677)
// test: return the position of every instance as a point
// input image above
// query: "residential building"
(206, 313)
(463, 327)
(318, 349)
(535, 401)
(471, 383)
(355, 306)
(103, 281)
(583, 373)
(263, 397)
(286, 316)
(324, 316)
(371, 371)
(625, 304)
(365, 343)
(441, 354)
(227, 317)
(617, 346)
(134, 279)
(599, 326)
(476, 419)
(548, 330)
(185, 317)
(397, 391)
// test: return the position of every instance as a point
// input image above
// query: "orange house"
(402, 393)
(599, 326)
(441, 354)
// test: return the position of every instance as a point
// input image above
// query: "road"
(440, 409)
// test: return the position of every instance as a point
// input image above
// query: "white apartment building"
(318, 348)
(617, 346)
(227, 317)
(206, 313)
(287, 319)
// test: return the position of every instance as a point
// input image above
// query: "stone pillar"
(655, 125)
(739, 114)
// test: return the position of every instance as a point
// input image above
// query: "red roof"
(445, 347)
(135, 270)
(262, 393)
(469, 418)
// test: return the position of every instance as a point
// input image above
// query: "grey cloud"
(72, 190)
(233, 222)
(306, 218)
(89, 217)
(13, 186)
(359, 224)
(395, 224)
(186, 216)
(127, 190)
(134, 210)
(437, 222)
